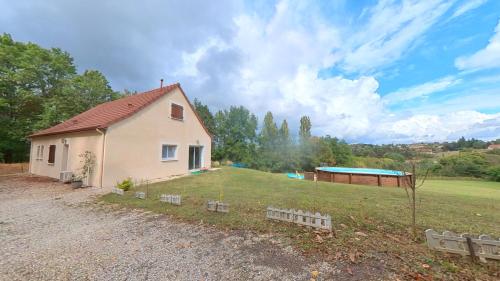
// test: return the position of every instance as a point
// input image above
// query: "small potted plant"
(77, 181)
(125, 184)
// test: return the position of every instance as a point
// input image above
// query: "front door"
(195, 153)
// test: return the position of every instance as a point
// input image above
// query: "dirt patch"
(267, 254)
(73, 237)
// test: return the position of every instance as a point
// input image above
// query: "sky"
(365, 71)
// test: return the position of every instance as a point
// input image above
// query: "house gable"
(133, 146)
(106, 114)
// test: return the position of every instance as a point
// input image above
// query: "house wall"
(133, 145)
(78, 144)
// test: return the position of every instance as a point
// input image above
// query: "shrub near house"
(125, 185)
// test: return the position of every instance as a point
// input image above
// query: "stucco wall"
(78, 143)
(133, 145)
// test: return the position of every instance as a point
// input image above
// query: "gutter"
(103, 133)
(31, 151)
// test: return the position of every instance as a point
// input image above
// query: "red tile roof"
(103, 115)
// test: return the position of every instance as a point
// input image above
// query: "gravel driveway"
(50, 232)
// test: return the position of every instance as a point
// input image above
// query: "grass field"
(460, 206)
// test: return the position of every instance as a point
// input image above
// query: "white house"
(147, 136)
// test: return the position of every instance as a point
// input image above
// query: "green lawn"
(381, 213)
(461, 206)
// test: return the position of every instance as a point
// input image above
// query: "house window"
(168, 152)
(52, 154)
(177, 112)
(39, 152)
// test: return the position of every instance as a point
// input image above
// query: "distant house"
(147, 136)
(494, 146)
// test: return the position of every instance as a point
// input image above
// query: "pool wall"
(359, 178)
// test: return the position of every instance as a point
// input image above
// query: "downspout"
(103, 133)
(31, 151)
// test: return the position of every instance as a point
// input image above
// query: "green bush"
(398, 157)
(494, 173)
(495, 151)
(465, 164)
(377, 163)
(125, 184)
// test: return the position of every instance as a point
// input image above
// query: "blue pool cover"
(295, 176)
(361, 171)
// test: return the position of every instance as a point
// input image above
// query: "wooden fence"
(483, 247)
(315, 220)
(13, 168)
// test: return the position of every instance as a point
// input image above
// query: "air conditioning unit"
(65, 176)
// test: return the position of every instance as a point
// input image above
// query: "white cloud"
(391, 30)
(468, 6)
(226, 55)
(272, 65)
(489, 57)
(428, 128)
(463, 100)
(277, 70)
(421, 91)
(337, 106)
(495, 78)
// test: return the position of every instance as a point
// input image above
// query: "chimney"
(161, 83)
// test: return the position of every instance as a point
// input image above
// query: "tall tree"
(307, 146)
(305, 128)
(269, 132)
(285, 149)
(39, 88)
(235, 135)
(28, 75)
(341, 151)
(78, 94)
(205, 115)
(268, 141)
(284, 134)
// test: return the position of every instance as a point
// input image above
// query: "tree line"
(237, 137)
(39, 88)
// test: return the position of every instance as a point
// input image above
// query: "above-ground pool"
(361, 171)
(365, 176)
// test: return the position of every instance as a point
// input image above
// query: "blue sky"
(367, 71)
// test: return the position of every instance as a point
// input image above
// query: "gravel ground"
(50, 232)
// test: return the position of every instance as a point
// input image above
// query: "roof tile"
(105, 114)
